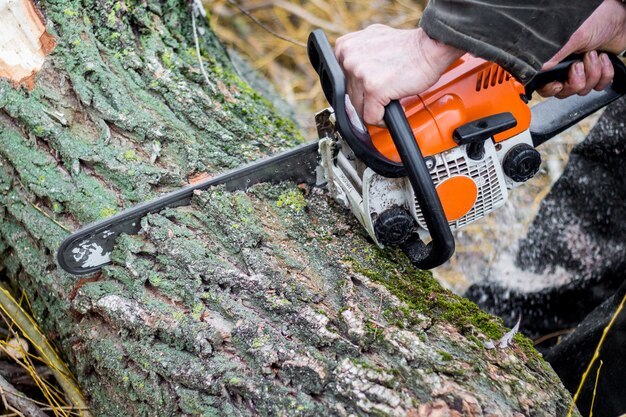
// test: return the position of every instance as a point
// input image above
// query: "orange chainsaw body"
(470, 89)
(465, 143)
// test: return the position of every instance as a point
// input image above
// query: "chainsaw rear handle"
(553, 116)
(560, 72)
(441, 247)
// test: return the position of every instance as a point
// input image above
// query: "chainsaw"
(446, 158)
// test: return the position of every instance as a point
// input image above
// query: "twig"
(50, 392)
(265, 28)
(31, 332)
(26, 197)
(593, 398)
(65, 410)
(551, 335)
(18, 375)
(72, 411)
(18, 402)
(197, 7)
(48, 216)
(596, 354)
(309, 17)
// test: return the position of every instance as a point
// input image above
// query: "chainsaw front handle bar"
(333, 84)
(441, 247)
(332, 78)
(553, 116)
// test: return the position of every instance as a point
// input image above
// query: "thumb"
(564, 52)
(374, 112)
(550, 89)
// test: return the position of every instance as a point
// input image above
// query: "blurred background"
(271, 35)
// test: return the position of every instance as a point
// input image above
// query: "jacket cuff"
(521, 69)
(518, 37)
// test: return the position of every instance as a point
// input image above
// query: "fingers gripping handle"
(332, 79)
(553, 116)
(333, 83)
(560, 72)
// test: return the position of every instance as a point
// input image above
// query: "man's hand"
(604, 30)
(383, 64)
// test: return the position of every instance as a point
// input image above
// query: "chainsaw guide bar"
(88, 249)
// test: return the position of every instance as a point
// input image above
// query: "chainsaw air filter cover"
(468, 189)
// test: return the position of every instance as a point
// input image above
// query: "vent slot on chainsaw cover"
(491, 76)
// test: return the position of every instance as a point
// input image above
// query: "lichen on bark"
(273, 298)
(269, 302)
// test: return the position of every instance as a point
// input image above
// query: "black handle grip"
(333, 84)
(332, 79)
(441, 247)
(553, 116)
(560, 72)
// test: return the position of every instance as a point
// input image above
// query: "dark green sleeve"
(519, 35)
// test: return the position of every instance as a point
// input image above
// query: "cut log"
(24, 42)
(266, 302)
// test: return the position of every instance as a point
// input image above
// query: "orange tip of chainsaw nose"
(458, 195)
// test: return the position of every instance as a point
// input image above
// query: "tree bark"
(270, 302)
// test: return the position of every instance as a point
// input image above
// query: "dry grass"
(272, 35)
(39, 382)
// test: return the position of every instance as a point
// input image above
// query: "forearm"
(519, 35)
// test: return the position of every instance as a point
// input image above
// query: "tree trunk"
(270, 302)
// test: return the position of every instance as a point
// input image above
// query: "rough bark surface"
(271, 302)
